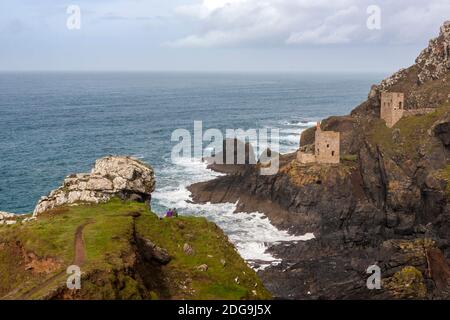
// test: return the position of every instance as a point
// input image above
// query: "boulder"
(113, 176)
(151, 252)
(28, 219)
(442, 131)
(203, 268)
(6, 215)
(188, 250)
(7, 218)
(439, 269)
(374, 92)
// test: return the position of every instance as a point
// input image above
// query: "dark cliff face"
(387, 203)
(359, 211)
(442, 131)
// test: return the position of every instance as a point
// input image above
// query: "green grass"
(447, 177)
(53, 236)
(211, 247)
(445, 174)
(407, 283)
(111, 255)
(350, 157)
(9, 275)
(413, 133)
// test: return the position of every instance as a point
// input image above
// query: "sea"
(53, 124)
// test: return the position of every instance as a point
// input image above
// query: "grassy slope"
(413, 133)
(110, 254)
(234, 280)
(414, 138)
(445, 175)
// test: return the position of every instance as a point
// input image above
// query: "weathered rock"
(7, 218)
(434, 61)
(374, 92)
(188, 250)
(29, 219)
(123, 177)
(407, 283)
(360, 211)
(442, 131)
(439, 270)
(392, 80)
(6, 215)
(433, 64)
(202, 268)
(151, 252)
(396, 135)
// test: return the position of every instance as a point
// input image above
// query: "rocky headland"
(102, 223)
(387, 203)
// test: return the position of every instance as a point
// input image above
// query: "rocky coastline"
(385, 204)
(102, 224)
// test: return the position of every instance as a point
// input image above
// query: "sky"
(217, 35)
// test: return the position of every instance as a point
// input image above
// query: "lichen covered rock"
(114, 176)
(407, 283)
(7, 218)
(434, 61)
(6, 215)
(392, 80)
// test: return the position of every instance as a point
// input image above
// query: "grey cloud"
(304, 22)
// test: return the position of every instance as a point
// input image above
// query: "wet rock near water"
(385, 204)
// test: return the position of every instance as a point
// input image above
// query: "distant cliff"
(387, 202)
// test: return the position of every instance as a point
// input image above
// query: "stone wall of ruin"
(327, 147)
(392, 107)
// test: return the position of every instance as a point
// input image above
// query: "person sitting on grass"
(169, 213)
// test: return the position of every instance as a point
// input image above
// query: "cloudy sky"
(217, 35)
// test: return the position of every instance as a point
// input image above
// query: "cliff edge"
(99, 227)
(387, 203)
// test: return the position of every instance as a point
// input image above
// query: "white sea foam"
(297, 131)
(251, 233)
(303, 124)
(290, 139)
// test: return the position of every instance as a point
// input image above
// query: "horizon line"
(201, 71)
